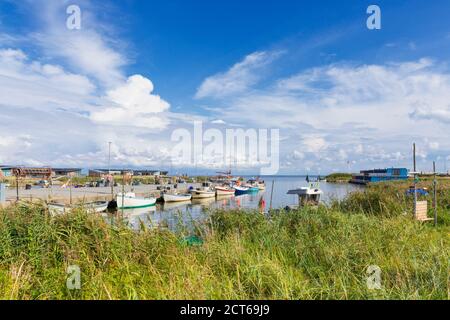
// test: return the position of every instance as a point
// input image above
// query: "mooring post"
(415, 181)
(17, 188)
(435, 195)
(271, 194)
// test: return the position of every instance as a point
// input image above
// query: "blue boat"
(241, 190)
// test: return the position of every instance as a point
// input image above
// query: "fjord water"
(170, 213)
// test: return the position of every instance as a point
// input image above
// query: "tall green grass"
(307, 254)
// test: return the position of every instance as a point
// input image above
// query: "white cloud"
(135, 105)
(29, 83)
(218, 121)
(90, 51)
(366, 113)
(238, 78)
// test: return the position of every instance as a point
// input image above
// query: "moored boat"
(261, 185)
(308, 196)
(239, 190)
(96, 207)
(224, 191)
(204, 192)
(176, 197)
(130, 201)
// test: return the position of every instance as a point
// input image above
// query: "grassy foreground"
(309, 254)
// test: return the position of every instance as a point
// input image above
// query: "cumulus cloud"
(370, 114)
(30, 83)
(134, 105)
(77, 100)
(90, 51)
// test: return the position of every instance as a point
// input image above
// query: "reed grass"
(307, 254)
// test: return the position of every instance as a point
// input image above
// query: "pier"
(85, 194)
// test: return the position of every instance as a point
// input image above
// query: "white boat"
(224, 191)
(96, 207)
(308, 196)
(204, 192)
(130, 201)
(176, 197)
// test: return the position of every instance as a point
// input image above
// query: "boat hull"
(96, 207)
(134, 202)
(177, 197)
(224, 191)
(241, 190)
(203, 194)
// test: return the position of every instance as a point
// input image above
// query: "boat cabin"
(307, 196)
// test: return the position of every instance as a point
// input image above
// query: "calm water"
(171, 213)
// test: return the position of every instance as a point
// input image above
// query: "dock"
(86, 194)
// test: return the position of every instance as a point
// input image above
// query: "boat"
(255, 184)
(224, 191)
(176, 197)
(307, 196)
(261, 185)
(204, 192)
(239, 190)
(252, 188)
(96, 207)
(130, 201)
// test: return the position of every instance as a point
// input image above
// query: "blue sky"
(344, 97)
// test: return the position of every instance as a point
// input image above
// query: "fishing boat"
(224, 191)
(252, 188)
(307, 196)
(256, 185)
(240, 190)
(96, 207)
(204, 192)
(261, 185)
(130, 201)
(176, 197)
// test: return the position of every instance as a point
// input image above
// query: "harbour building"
(380, 175)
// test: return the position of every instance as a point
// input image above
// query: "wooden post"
(271, 194)
(415, 181)
(17, 187)
(123, 192)
(111, 182)
(435, 195)
(70, 192)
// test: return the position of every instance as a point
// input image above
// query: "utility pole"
(415, 181)
(110, 177)
(435, 195)
(109, 157)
